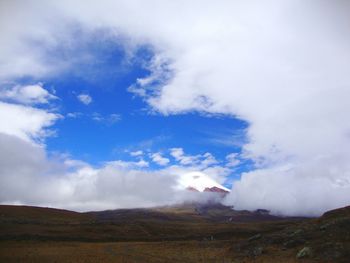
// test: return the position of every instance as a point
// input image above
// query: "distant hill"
(169, 222)
(184, 232)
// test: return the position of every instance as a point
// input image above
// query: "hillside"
(326, 239)
(186, 233)
(186, 222)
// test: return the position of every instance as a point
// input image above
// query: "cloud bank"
(282, 66)
(30, 175)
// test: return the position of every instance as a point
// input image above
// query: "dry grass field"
(130, 252)
(178, 234)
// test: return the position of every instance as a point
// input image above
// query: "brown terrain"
(186, 233)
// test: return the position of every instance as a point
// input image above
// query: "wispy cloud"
(84, 98)
(225, 137)
(109, 119)
(232, 160)
(74, 115)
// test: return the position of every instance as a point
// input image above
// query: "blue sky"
(116, 122)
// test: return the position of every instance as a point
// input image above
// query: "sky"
(108, 104)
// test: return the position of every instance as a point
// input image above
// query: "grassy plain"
(171, 234)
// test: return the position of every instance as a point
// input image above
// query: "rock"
(304, 252)
(324, 226)
(257, 251)
(255, 237)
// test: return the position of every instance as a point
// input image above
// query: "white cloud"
(113, 118)
(85, 98)
(27, 38)
(139, 164)
(72, 184)
(142, 163)
(179, 155)
(216, 173)
(115, 185)
(136, 153)
(30, 94)
(25, 122)
(294, 191)
(208, 160)
(97, 117)
(159, 159)
(109, 119)
(232, 160)
(74, 115)
(200, 161)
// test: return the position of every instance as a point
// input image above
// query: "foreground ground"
(175, 234)
(168, 251)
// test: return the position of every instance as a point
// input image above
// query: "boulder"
(304, 253)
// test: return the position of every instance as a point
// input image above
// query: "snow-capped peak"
(199, 181)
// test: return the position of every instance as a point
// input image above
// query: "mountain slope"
(325, 239)
(181, 233)
(198, 181)
(182, 222)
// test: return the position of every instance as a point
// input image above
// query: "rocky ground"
(326, 239)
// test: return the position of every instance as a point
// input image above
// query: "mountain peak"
(201, 182)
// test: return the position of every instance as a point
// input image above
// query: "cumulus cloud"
(142, 163)
(159, 159)
(27, 36)
(84, 98)
(136, 153)
(46, 182)
(25, 122)
(208, 160)
(293, 190)
(199, 161)
(179, 155)
(72, 184)
(30, 94)
(282, 66)
(30, 177)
